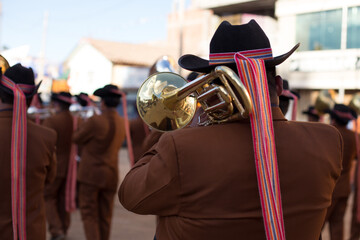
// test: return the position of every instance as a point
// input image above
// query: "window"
(319, 30)
(353, 28)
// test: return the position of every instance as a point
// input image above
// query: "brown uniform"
(57, 217)
(202, 181)
(101, 138)
(336, 212)
(40, 168)
(138, 135)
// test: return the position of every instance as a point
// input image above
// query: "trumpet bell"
(160, 112)
(324, 102)
(355, 103)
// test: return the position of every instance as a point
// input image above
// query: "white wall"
(129, 77)
(89, 70)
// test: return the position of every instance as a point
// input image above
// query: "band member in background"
(100, 138)
(55, 193)
(284, 100)
(202, 181)
(312, 113)
(38, 162)
(340, 116)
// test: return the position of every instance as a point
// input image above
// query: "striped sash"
(253, 74)
(18, 157)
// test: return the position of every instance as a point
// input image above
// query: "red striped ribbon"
(253, 74)
(70, 186)
(223, 58)
(18, 157)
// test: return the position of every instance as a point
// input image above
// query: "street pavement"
(130, 226)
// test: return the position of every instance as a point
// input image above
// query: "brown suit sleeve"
(84, 132)
(52, 167)
(153, 185)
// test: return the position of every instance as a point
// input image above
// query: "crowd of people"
(257, 176)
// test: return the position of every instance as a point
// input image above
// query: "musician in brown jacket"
(340, 117)
(202, 181)
(101, 138)
(62, 122)
(40, 160)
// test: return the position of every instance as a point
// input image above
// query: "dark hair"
(111, 101)
(340, 121)
(284, 103)
(9, 98)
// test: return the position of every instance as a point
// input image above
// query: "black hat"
(108, 91)
(312, 112)
(21, 75)
(63, 97)
(286, 87)
(82, 99)
(342, 113)
(230, 39)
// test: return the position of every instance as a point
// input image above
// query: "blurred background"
(82, 45)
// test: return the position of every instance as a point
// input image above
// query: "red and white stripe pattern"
(225, 58)
(253, 75)
(18, 157)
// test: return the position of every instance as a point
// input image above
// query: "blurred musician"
(340, 116)
(100, 138)
(284, 100)
(203, 182)
(312, 114)
(55, 193)
(23, 209)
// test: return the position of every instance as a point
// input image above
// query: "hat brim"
(27, 95)
(102, 92)
(197, 64)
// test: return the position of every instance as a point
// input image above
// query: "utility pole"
(1, 27)
(181, 27)
(43, 46)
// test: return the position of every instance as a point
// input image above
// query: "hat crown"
(235, 38)
(20, 75)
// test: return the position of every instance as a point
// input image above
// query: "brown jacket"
(342, 188)
(40, 168)
(138, 135)
(202, 181)
(62, 123)
(101, 137)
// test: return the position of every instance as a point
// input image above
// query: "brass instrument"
(4, 64)
(39, 113)
(166, 101)
(324, 102)
(355, 103)
(163, 64)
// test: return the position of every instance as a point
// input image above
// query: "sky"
(130, 21)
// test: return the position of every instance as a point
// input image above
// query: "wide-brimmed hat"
(312, 112)
(63, 97)
(286, 88)
(83, 99)
(229, 39)
(108, 91)
(21, 75)
(342, 113)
